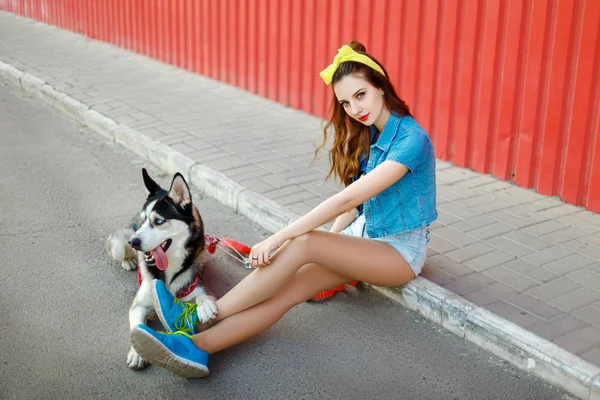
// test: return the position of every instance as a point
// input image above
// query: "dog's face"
(166, 217)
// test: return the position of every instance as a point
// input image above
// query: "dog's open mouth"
(157, 257)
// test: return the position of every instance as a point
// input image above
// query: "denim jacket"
(410, 203)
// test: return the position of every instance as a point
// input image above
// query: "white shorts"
(411, 245)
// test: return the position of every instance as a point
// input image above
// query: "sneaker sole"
(158, 309)
(153, 351)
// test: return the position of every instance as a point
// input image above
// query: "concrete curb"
(497, 335)
(10, 74)
(503, 338)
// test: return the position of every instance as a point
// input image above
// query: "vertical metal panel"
(154, 21)
(307, 61)
(69, 15)
(242, 49)
(195, 39)
(486, 63)
(426, 61)
(261, 48)
(177, 29)
(252, 45)
(101, 10)
(127, 34)
(581, 101)
(407, 44)
(442, 86)
(507, 87)
(591, 192)
(110, 19)
(509, 42)
(91, 20)
(144, 26)
(321, 93)
(273, 48)
(54, 12)
(174, 44)
(284, 53)
(186, 34)
(79, 16)
(462, 109)
(159, 27)
(29, 10)
(234, 36)
(558, 39)
(115, 19)
(165, 34)
(529, 77)
(296, 52)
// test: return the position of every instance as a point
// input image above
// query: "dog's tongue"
(160, 258)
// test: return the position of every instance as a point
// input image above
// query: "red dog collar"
(184, 291)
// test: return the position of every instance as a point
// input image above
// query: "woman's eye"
(345, 104)
(159, 221)
(360, 95)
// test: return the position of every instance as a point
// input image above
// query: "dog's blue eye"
(159, 221)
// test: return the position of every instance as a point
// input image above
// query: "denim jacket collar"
(389, 132)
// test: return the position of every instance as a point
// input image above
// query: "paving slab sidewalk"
(509, 269)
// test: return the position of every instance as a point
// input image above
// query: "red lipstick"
(364, 117)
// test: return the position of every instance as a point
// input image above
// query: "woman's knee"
(303, 242)
(304, 284)
(294, 293)
(288, 297)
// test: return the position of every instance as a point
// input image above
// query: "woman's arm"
(371, 184)
(344, 220)
(382, 177)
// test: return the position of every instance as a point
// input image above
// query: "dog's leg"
(141, 307)
(207, 307)
(118, 247)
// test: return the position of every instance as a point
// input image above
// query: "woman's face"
(361, 100)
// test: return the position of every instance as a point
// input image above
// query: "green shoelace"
(182, 333)
(187, 317)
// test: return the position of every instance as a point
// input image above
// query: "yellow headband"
(347, 54)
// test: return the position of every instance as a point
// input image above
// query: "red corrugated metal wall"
(507, 87)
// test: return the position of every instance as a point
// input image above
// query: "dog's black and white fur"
(168, 219)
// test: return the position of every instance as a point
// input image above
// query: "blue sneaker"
(172, 350)
(175, 315)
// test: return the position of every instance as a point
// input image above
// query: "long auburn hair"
(351, 138)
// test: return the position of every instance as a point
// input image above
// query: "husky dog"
(167, 242)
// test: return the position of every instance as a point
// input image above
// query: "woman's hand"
(260, 255)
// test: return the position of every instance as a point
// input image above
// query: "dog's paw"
(129, 264)
(118, 247)
(207, 308)
(135, 361)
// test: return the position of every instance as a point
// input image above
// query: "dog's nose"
(135, 243)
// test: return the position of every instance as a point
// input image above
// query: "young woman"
(386, 214)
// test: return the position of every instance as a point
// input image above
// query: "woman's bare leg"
(262, 298)
(308, 281)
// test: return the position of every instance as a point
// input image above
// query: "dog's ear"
(180, 191)
(152, 186)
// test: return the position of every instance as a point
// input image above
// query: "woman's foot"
(174, 314)
(172, 350)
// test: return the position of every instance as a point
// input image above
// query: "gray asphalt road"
(64, 303)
